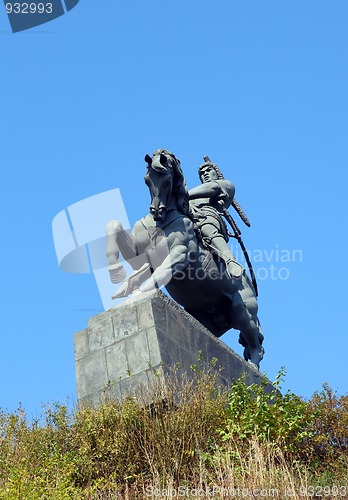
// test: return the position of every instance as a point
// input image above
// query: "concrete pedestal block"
(127, 346)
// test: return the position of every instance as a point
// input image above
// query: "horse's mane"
(179, 184)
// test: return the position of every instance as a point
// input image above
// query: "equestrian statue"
(182, 244)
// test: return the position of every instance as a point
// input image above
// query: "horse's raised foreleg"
(173, 265)
(124, 242)
(245, 319)
(120, 240)
(116, 270)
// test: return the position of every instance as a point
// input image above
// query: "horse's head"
(166, 183)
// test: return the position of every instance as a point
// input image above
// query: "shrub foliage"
(192, 434)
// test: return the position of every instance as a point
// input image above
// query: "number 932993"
(29, 8)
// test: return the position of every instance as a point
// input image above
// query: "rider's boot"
(234, 270)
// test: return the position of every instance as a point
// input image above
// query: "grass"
(194, 440)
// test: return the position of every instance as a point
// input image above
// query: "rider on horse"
(218, 304)
(207, 202)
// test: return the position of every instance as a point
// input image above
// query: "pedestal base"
(123, 347)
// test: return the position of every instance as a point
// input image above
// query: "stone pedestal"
(123, 347)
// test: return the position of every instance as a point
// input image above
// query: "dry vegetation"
(195, 440)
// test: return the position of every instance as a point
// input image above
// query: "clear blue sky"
(258, 85)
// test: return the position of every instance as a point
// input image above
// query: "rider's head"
(209, 166)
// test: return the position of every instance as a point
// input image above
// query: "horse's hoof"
(254, 365)
(122, 291)
(256, 357)
(117, 273)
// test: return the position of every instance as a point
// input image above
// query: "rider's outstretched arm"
(207, 190)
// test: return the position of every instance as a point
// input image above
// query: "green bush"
(283, 421)
(330, 431)
(128, 440)
(36, 459)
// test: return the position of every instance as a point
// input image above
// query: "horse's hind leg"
(245, 319)
(244, 343)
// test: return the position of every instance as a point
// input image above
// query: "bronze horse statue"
(164, 250)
